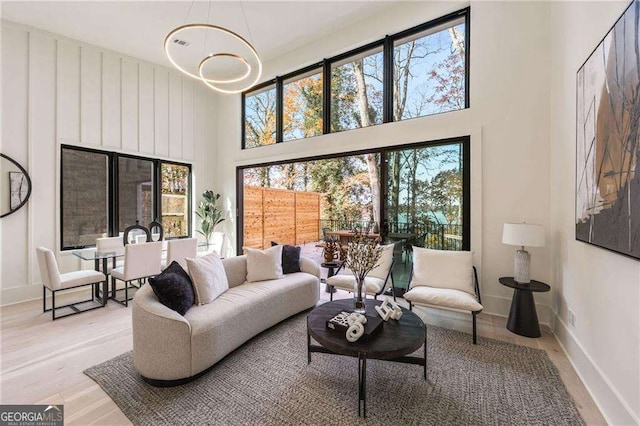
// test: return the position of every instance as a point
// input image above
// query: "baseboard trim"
(15, 295)
(614, 408)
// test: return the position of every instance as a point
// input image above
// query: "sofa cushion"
(290, 258)
(173, 288)
(264, 265)
(208, 276)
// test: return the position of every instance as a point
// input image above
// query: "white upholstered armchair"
(444, 279)
(376, 282)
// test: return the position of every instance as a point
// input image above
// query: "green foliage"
(209, 213)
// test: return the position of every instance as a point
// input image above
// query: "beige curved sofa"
(170, 349)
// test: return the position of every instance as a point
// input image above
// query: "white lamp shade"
(523, 234)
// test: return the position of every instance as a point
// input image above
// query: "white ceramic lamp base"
(521, 267)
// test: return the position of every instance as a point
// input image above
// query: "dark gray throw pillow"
(290, 258)
(174, 289)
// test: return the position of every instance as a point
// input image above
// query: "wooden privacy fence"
(280, 215)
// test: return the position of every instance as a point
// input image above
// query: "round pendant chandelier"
(250, 63)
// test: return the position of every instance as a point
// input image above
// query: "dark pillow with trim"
(173, 288)
(290, 258)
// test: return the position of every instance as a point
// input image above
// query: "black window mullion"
(279, 110)
(326, 97)
(113, 196)
(467, 62)
(387, 83)
(384, 176)
(157, 191)
(466, 193)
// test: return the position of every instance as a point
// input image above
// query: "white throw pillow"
(264, 265)
(443, 269)
(208, 277)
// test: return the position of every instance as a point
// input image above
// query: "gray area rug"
(268, 382)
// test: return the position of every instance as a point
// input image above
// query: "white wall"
(56, 90)
(602, 288)
(508, 123)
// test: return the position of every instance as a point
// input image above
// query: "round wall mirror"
(15, 186)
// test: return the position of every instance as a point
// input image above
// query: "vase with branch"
(363, 255)
(209, 213)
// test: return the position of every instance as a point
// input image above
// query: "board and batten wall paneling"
(161, 115)
(129, 96)
(15, 92)
(188, 142)
(90, 96)
(42, 146)
(68, 107)
(175, 115)
(111, 101)
(61, 91)
(146, 103)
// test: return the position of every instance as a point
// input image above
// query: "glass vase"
(359, 296)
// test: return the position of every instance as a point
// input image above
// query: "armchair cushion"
(443, 269)
(384, 264)
(373, 285)
(443, 298)
(173, 288)
(208, 277)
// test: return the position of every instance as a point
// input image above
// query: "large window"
(356, 91)
(429, 71)
(418, 72)
(260, 117)
(415, 195)
(302, 106)
(102, 193)
(85, 197)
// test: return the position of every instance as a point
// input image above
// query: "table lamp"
(523, 234)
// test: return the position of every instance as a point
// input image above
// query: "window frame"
(387, 44)
(113, 190)
(465, 141)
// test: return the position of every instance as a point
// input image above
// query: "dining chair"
(140, 261)
(110, 244)
(178, 250)
(55, 282)
(444, 279)
(377, 280)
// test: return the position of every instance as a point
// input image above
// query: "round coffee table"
(396, 340)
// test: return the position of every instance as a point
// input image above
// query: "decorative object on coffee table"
(209, 213)
(394, 342)
(523, 234)
(389, 309)
(363, 255)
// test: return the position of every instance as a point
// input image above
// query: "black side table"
(331, 266)
(523, 319)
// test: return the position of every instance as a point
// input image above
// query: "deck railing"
(430, 235)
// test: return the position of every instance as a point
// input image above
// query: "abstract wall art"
(608, 138)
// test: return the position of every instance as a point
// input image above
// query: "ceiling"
(138, 28)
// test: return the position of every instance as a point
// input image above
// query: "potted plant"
(209, 213)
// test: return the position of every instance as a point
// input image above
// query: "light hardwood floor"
(42, 360)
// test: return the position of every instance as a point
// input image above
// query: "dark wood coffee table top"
(397, 338)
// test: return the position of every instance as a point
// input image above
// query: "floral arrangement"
(363, 255)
